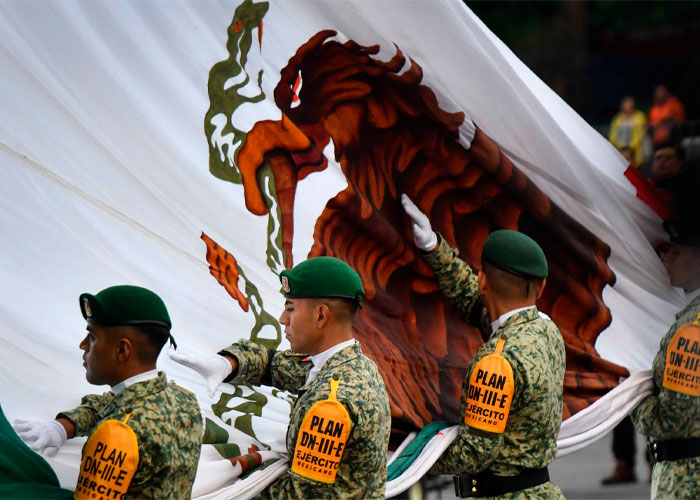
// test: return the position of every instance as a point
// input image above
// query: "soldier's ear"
(540, 287)
(124, 349)
(482, 281)
(323, 313)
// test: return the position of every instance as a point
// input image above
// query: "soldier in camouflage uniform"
(511, 462)
(127, 328)
(322, 295)
(671, 415)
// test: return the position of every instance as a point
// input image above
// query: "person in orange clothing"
(628, 129)
(666, 112)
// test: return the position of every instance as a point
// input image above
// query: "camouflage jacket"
(168, 425)
(535, 350)
(362, 470)
(667, 414)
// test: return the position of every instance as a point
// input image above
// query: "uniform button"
(474, 482)
(474, 489)
(654, 445)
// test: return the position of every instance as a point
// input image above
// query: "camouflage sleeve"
(474, 450)
(662, 415)
(458, 283)
(666, 413)
(289, 370)
(292, 485)
(154, 457)
(365, 452)
(84, 417)
(471, 452)
(285, 370)
(253, 362)
(524, 381)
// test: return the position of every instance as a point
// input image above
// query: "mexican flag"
(199, 148)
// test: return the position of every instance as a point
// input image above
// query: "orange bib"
(110, 459)
(490, 392)
(322, 438)
(682, 370)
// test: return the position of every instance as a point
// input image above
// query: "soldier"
(338, 433)
(145, 435)
(671, 415)
(512, 395)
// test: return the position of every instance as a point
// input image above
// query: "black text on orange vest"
(486, 396)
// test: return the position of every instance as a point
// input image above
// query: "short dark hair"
(507, 285)
(340, 306)
(151, 339)
(678, 150)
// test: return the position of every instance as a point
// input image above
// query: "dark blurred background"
(595, 53)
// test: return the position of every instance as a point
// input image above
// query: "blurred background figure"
(665, 114)
(628, 130)
(629, 155)
(624, 449)
(646, 190)
(667, 170)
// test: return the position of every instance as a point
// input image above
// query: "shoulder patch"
(110, 459)
(682, 370)
(322, 438)
(490, 392)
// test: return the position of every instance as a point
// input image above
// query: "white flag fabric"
(197, 149)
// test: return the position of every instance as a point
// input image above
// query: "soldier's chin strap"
(173, 344)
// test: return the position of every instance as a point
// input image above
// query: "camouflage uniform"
(535, 350)
(362, 470)
(671, 415)
(168, 425)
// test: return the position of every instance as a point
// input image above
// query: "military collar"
(320, 359)
(519, 317)
(141, 377)
(141, 389)
(495, 325)
(343, 356)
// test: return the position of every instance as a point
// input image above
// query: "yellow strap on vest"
(322, 438)
(490, 392)
(499, 347)
(110, 460)
(335, 382)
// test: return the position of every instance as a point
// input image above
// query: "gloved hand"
(42, 436)
(213, 367)
(423, 235)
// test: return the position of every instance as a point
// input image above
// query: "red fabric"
(649, 194)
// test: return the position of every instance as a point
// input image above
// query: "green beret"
(322, 277)
(515, 253)
(124, 305)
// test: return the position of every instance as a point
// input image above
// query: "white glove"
(423, 235)
(213, 367)
(42, 436)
